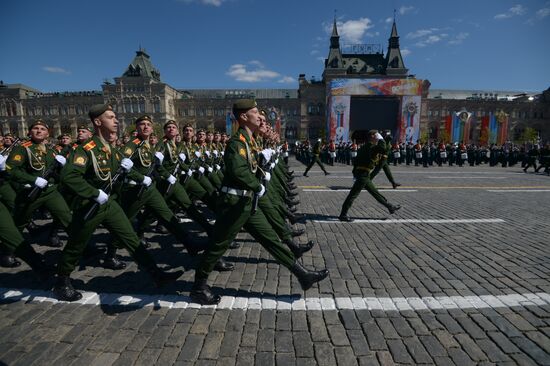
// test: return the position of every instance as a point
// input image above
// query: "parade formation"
(126, 186)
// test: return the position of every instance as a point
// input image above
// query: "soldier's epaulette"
(58, 148)
(27, 144)
(89, 146)
(242, 138)
(136, 141)
(75, 145)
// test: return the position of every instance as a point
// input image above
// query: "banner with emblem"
(461, 126)
(502, 127)
(338, 122)
(409, 126)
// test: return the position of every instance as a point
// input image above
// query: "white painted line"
(433, 177)
(517, 190)
(364, 191)
(292, 302)
(412, 221)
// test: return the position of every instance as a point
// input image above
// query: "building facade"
(310, 111)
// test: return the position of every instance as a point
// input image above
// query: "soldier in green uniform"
(385, 143)
(136, 196)
(90, 172)
(315, 159)
(240, 185)
(367, 157)
(28, 165)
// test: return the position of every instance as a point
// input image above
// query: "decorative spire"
(394, 60)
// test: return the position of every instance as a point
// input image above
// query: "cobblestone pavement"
(460, 275)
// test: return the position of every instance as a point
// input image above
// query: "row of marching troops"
(243, 182)
(428, 154)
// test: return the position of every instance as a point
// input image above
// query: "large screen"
(380, 113)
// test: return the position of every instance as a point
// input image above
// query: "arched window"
(141, 105)
(156, 106)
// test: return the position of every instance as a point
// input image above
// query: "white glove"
(201, 169)
(218, 167)
(159, 156)
(267, 176)
(277, 161)
(126, 164)
(190, 172)
(147, 181)
(210, 170)
(207, 153)
(102, 197)
(171, 179)
(272, 165)
(198, 154)
(223, 153)
(378, 136)
(60, 159)
(267, 154)
(215, 153)
(182, 157)
(40, 182)
(262, 191)
(2, 162)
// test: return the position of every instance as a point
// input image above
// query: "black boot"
(143, 240)
(298, 232)
(291, 194)
(345, 218)
(9, 261)
(27, 253)
(290, 202)
(64, 290)
(160, 229)
(392, 208)
(201, 293)
(298, 250)
(54, 240)
(223, 266)
(110, 261)
(306, 277)
(293, 209)
(294, 218)
(162, 278)
(395, 185)
(234, 245)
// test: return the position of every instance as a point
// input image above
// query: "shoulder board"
(74, 146)
(26, 144)
(89, 146)
(242, 138)
(136, 141)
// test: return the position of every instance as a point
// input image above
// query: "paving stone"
(317, 327)
(492, 351)
(178, 335)
(191, 348)
(470, 347)
(433, 346)
(460, 357)
(285, 359)
(283, 342)
(303, 346)
(345, 356)
(399, 351)
(358, 342)
(417, 350)
(532, 350)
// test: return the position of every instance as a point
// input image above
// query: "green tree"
(529, 135)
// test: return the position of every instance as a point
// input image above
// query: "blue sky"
(75, 45)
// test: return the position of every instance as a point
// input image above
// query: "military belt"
(237, 192)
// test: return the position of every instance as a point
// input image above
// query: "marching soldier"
(367, 157)
(136, 196)
(316, 152)
(240, 185)
(92, 171)
(385, 144)
(34, 169)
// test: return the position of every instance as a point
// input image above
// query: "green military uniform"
(383, 164)
(235, 204)
(26, 163)
(367, 157)
(150, 198)
(316, 159)
(91, 168)
(194, 182)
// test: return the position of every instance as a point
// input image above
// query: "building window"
(156, 106)
(141, 106)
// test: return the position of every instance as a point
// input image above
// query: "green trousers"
(152, 200)
(234, 213)
(50, 198)
(196, 191)
(7, 196)
(114, 219)
(313, 161)
(274, 217)
(362, 182)
(386, 169)
(10, 237)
